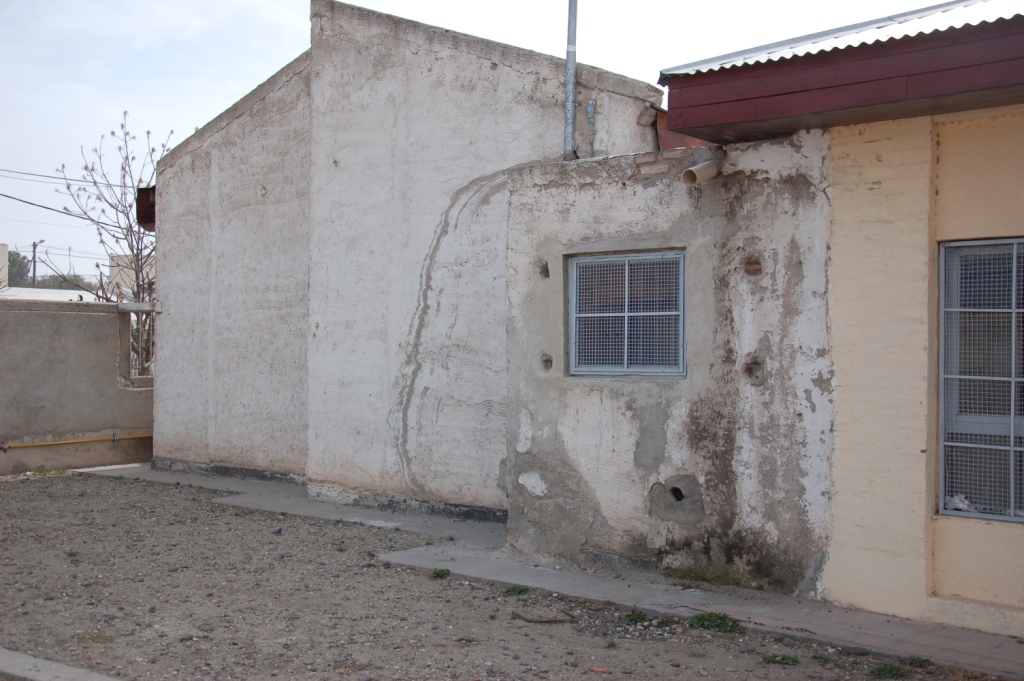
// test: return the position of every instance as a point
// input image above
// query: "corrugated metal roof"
(926, 20)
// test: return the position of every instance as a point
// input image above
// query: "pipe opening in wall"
(754, 372)
(677, 494)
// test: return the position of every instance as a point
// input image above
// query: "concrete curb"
(20, 667)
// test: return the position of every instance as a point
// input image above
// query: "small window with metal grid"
(983, 379)
(626, 314)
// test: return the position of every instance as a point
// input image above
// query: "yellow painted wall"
(980, 560)
(979, 174)
(889, 550)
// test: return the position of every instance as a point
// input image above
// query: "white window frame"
(951, 420)
(575, 369)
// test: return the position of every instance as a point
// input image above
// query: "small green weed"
(666, 622)
(47, 472)
(516, 590)
(697, 654)
(611, 645)
(339, 549)
(715, 621)
(451, 537)
(920, 663)
(440, 573)
(371, 554)
(636, 617)
(889, 671)
(789, 660)
(492, 616)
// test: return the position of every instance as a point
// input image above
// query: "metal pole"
(34, 244)
(570, 87)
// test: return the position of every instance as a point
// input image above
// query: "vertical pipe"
(570, 86)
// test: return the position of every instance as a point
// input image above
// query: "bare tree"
(105, 194)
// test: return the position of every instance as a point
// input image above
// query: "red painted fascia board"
(891, 47)
(784, 81)
(793, 104)
(967, 79)
(871, 79)
(780, 127)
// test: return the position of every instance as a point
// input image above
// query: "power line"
(54, 177)
(28, 179)
(51, 224)
(71, 215)
(60, 253)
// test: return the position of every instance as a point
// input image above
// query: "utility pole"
(34, 244)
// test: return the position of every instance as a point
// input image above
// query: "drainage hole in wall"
(545, 361)
(677, 494)
(544, 270)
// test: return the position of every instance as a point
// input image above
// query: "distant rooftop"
(927, 20)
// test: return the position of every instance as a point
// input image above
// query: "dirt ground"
(143, 580)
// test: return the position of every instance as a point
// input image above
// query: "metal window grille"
(626, 314)
(983, 380)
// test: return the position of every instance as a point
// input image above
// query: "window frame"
(978, 424)
(574, 369)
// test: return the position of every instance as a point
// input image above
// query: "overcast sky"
(70, 67)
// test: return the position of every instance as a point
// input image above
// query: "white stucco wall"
(232, 278)
(751, 451)
(413, 130)
(332, 258)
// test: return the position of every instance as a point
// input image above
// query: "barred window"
(626, 314)
(983, 379)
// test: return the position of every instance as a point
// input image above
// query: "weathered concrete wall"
(898, 189)
(413, 130)
(232, 276)
(746, 435)
(60, 380)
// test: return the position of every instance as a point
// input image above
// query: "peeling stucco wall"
(745, 437)
(414, 129)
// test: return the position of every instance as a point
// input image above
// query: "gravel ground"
(142, 580)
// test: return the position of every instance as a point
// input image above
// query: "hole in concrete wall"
(544, 271)
(546, 361)
(752, 266)
(754, 372)
(678, 500)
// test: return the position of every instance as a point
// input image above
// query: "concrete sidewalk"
(19, 667)
(477, 553)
